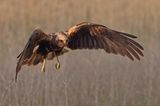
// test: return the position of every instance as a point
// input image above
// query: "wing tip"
(17, 70)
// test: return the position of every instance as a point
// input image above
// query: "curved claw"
(43, 66)
(57, 65)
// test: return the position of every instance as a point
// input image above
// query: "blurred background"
(86, 78)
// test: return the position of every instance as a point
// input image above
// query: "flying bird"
(41, 46)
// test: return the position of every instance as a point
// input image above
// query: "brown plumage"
(85, 35)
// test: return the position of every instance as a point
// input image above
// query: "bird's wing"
(32, 45)
(95, 36)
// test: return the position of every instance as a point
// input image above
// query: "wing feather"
(106, 47)
(95, 36)
(136, 49)
(27, 56)
(90, 42)
(85, 42)
(133, 52)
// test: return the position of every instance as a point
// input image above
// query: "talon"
(57, 66)
(43, 66)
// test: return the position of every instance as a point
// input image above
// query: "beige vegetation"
(86, 78)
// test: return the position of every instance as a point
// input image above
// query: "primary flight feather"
(42, 46)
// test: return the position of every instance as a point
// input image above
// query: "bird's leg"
(57, 65)
(43, 65)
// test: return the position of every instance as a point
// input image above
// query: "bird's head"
(61, 39)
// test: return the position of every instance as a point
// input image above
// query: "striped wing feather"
(94, 36)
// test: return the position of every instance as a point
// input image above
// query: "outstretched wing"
(26, 56)
(95, 36)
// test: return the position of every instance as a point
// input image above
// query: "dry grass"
(87, 78)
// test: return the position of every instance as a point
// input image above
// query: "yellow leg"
(57, 65)
(43, 65)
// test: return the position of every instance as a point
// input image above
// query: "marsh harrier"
(41, 46)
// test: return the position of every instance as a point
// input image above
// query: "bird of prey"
(41, 46)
